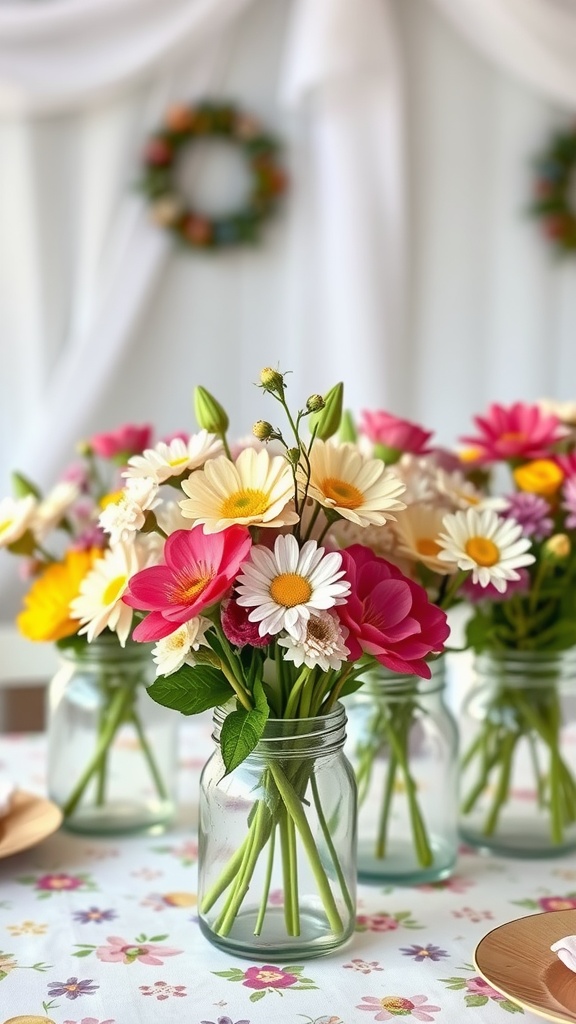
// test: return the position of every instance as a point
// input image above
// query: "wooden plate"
(29, 820)
(517, 961)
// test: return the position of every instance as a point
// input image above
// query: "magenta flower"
(532, 513)
(122, 443)
(478, 987)
(56, 883)
(238, 628)
(557, 903)
(268, 976)
(119, 950)
(569, 503)
(392, 432)
(514, 432)
(200, 568)
(388, 615)
(399, 1006)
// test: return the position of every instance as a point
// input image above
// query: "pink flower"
(398, 1006)
(392, 432)
(119, 950)
(557, 903)
(388, 615)
(123, 442)
(90, 1020)
(57, 883)
(479, 987)
(376, 923)
(515, 431)
(268, 976)
(199, 569)
(569, 503)
(238, 629)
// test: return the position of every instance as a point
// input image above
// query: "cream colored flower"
(481, 541)
(99, 604)
(417, 529)
(52, 509)
(168, 460)
(176, 649)
(122, 519)
(16, 516)
(254, 491)
(358, 488)
(322, 643)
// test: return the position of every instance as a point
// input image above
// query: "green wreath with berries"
(554, 198)
(186, 124)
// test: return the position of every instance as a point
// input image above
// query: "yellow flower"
(542, 476)
(46, 614)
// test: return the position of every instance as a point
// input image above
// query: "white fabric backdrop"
(430, 315)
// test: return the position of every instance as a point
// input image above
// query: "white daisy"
(417, 529)
(99, 604)
(170, 517)
(481, 541)
(175, 650)
(52, 509)
(322, 643)
(167, 460)
(123, 518)
(16, 516)
(285, 587)
(256, 490)
(358, 488)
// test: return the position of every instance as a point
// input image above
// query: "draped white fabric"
(431, 315)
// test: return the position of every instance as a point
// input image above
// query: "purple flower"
(72, 988)
(428, 952)
(224, 1020)
(532, 513)
(569, 503)
(94, 915)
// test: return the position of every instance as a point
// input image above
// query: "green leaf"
(157, 938)
(454, 983)
(259, 994)
(191, 690)
(240, 733)
(505, 1004)
(84, 952)
(476, 1000)
(232, 974)
(22, 487)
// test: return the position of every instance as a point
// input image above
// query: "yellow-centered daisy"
(168, 460)
(417, 529)
(360, 489)
(99, 604)
(481, 541)
(16, 516)
(253, 491)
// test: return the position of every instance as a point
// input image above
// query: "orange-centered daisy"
(491, 547)
(359, 488)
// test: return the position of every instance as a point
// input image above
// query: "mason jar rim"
(323, 733)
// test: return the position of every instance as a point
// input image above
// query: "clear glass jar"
(111, 749)
(277, 842)
(518, 772)
(403, 745)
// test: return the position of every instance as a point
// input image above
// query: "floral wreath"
(184, 124)
(553, 203)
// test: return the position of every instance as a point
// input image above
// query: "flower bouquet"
(519, 787)
(254, 612)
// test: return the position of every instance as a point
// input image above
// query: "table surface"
(69, 905)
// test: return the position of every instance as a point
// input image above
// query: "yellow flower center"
(427, 547)
(5, 525)
(482, 551)
(469, 454)
(245, 503)
(269, 975)
(111, 499)
(341, 493)
(396, 1004)
(181, 461)
(513, 435)
(290, 589)
(114, 589)
(542, 476)
(189, 587)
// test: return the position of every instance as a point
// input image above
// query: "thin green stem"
(116, 712)
(330, 845)
(148, 755)
(267, 882)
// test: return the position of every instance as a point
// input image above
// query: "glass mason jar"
(403, 745)
(277, 842)
(111, 749)
(518, 773)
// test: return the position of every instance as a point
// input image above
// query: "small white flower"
(16, 516)
(175, 650)
(285, 587)
(122, 519)
(52, 509)
(481, 541)
(99, 604)
(170, 518)
(167, 460)
(322, 643)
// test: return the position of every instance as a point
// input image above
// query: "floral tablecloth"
(105, 931)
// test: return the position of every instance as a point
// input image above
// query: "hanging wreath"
(184, 125)
(554, 204)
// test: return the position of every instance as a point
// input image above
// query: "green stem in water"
(116, 712)
(148, 755)
(267, 882)
(330, 846)
(382, 834)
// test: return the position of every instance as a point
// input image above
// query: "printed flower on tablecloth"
(383, 922)
(162, 990)
(9, 963)
(120, 950)
(94, 915)
(478, 992)
(457, 884)
(90, 1020)
(364, 966)
(160, 901)
(186, 853)
(27, 928)
(420, 953)
(225, 1020)
(398, 1006)
(268, 978)
(58, 882)
(73, 988)
(548, 903)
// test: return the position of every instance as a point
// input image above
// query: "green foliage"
(191, 690)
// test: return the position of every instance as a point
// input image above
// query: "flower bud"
(348, 430)
(209, 413)
(263, 430)
(272, 380)
(315, 403)
(327, 421)
(293, 456)
(557, 548)
(22, 487)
